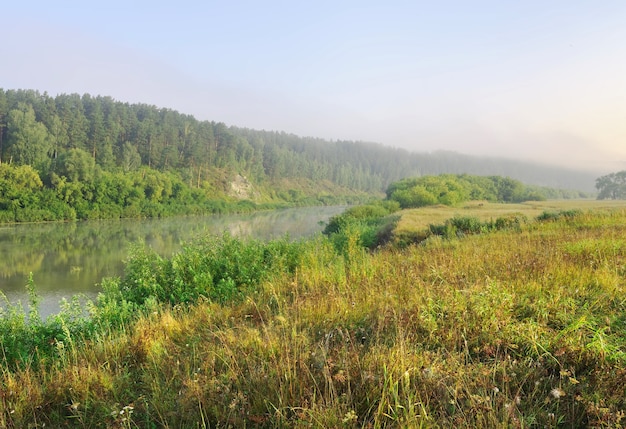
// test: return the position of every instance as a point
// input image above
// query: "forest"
(74, 156)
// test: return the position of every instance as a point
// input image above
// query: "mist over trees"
(81, 156)
(36, 128)
(612, 186)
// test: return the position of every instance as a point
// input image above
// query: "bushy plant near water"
(373, 224)
(27, 339)
(220, 268)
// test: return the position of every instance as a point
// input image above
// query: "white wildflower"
(557, 392)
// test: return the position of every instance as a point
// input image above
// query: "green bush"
(220, 268)
(371, 224)
(26, 338)
(469, 225)
(464, 225)
(557, 215)
(459, 226)
(513, 221)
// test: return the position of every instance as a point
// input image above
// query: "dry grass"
(510, 329)
(417, 220)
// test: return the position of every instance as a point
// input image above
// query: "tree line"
(612, 186)
(80, 156)
(451, 189)
(40, 130)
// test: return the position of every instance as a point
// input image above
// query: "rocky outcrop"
(242, 189)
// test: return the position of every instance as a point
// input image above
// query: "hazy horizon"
(530, 81)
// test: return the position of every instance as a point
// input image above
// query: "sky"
(534, 80)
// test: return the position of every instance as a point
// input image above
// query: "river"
(67, 259)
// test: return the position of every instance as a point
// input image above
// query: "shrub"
(221, 268)
(469, 224)
(460, 225)
(371, 224)
(562, 214)
(513, 221)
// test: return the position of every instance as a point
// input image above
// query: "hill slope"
(38, 129)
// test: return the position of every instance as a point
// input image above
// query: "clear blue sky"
(541, 80)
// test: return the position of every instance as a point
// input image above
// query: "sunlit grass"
(512, 328)
(414, 223)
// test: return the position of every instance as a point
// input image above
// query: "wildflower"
(349, 417)
(557, 392)
(340, 376)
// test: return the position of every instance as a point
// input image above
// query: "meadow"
(516, 323)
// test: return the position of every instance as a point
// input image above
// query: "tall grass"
(521, 327)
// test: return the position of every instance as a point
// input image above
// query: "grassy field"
(517, 328)
(414, 220)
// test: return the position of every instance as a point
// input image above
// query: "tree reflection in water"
(72, 258)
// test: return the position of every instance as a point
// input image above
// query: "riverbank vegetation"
(90, 157)
(492, 318)
(452, 190)
(145, 193)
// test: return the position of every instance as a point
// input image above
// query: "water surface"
(71, 258)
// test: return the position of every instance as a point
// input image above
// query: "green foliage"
(130, 158)
(557, 215)
(511, 222)
(112, 308)
(220, 268)
(612, 186)
(459, 226)
(451, 190)
(75, 165)
(27, 339)
(28, 140)
(74, 139)
(20, 189)
(371, 223)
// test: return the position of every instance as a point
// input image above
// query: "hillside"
(37, 129)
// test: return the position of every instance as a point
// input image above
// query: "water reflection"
(71, 258)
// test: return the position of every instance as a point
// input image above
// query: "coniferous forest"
(77, 156)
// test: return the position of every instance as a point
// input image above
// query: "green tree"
(76, 165)
(131, 160)
(4, 111)
(95, 117)
(18, 186)
(58, 136)
(508, 190)
(612, 186)
(72, 113)
(28, 140)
